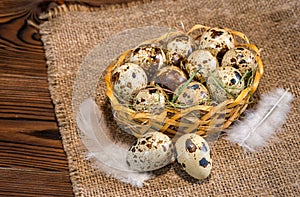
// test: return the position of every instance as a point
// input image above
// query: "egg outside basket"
(175, 121)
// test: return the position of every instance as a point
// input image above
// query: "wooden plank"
(34, 183)
(25, 97)
(32, 160)
(31, 145)
(24, 90)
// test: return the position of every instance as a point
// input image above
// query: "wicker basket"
(174, 121)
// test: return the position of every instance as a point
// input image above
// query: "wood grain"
(32, 159)
(33, 145)
(32, 183)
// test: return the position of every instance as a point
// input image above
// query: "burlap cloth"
(272, 25)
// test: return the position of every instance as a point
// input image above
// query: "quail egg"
(128, 78)
(194, 155)
(240, 58)
(217, 41)
(225, 83)
(202, 62)
(179, 48)
(170, 77)
(194, 94)
(149, 58)
(151, 151)
(150, 99)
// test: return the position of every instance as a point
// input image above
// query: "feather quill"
(258, 125)
(108, 156)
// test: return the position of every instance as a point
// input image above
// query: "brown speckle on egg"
(217, 41)
(129, 85)
(190, 146)
(215, 33)
(149, 145)
(149, 58)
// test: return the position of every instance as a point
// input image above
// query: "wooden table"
(32, 159)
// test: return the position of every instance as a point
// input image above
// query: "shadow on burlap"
(74, 32)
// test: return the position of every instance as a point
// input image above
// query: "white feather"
(107, 155)
(258, 125)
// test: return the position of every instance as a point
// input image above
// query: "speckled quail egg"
(217, 92)
(240, 58)
(231, 80)
(150, 99)
(193, 94)
(179, 48)
(194, 155)
(225, 83)
(217, 41)
(151, 151)
(202, 62)
(149, 58)
(170, 77)
(128, 78)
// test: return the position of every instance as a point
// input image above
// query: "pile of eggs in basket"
(184, 71)
(181, 72)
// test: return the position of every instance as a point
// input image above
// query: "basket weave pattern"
(174, 121)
